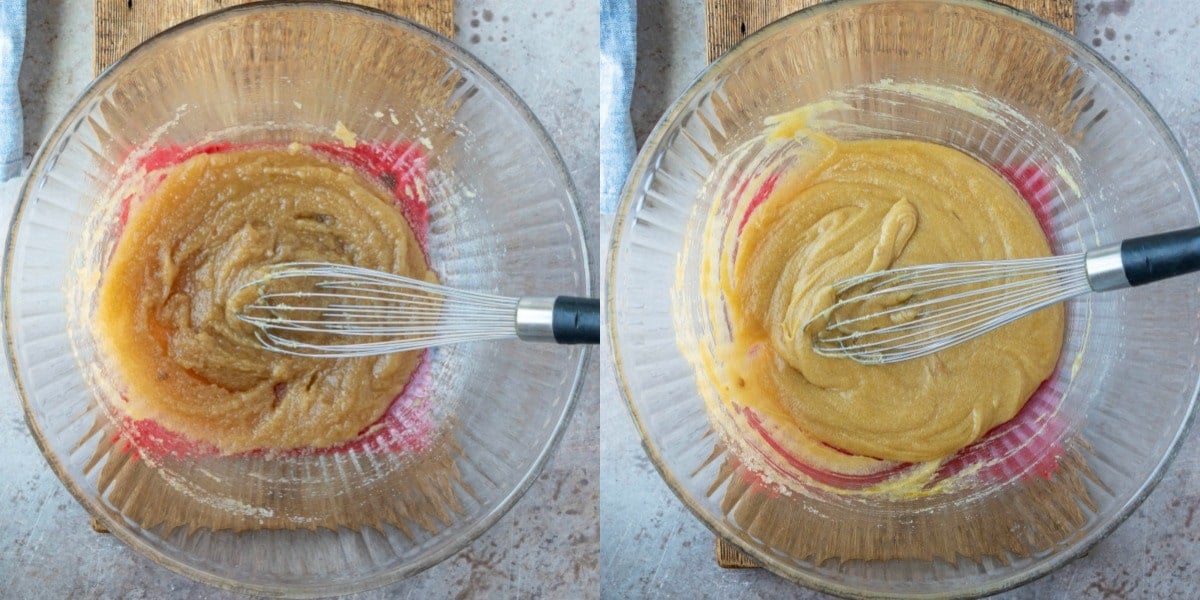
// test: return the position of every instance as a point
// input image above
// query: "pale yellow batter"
(854, 207)
(167, 302)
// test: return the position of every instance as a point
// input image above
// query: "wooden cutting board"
(123, 24)
(728, 21)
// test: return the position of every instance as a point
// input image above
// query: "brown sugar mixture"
(170, 294)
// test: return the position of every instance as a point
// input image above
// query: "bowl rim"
(56, 139)
(626, 209)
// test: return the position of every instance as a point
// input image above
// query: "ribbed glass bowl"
(1083, 147)
(502, 219)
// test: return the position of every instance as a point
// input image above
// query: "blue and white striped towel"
(618, 46)
(12, 47)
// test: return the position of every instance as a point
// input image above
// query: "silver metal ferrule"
(1105, 271)
(535, 319)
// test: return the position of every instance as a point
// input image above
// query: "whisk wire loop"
(905, 313)
(339, 311)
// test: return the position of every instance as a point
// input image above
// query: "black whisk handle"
(1160, 256)
(576, 320)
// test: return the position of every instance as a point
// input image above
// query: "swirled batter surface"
(848, 208)
(169, 297)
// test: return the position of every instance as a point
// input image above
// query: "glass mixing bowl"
(482, 418)
(1097, 165)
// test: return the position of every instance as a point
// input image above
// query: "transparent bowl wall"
(1128, 376)
(502, 219)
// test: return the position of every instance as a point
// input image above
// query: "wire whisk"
(909, 312)
(338, 311)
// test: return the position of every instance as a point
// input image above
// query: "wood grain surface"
(728, 21)
(123, 24)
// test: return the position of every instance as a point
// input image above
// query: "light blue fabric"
(618, 47)
(12, 47)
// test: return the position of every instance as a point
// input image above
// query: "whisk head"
(900, 314)
(339, 311)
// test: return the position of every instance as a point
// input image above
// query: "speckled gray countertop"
(652, 547)
(547, 546)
